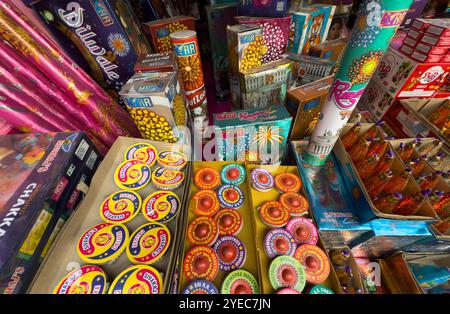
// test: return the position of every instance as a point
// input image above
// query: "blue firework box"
(270, 8)
(253, 135)
(40, 173)
(330, 202)
(310, 27)
(101, 36)
(388, 236)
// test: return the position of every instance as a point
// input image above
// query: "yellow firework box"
(156, 105)
(187, 52)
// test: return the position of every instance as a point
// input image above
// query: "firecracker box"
(424, 57)
(158, 31)
(304, 104)
(414, 12)
(429, 49)
(253, 135)
(377, 99)
(361, 199)
(406, 50)
(414, 34)
(406, 77)
(275, 35)
(411, 42)
(435, 243)
(265, 85)
(435, 41)
(436, 27)
(310, 26)
(388, 236)
(245, 47)
(332, 50)
(102, 37)
(40, 175)
(275, 8)
(329, 199)
(416, 273)
(219, 17)
(156, 62)
(156, 104)
(308, 69)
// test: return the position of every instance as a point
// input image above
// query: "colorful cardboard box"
(388, 236)
(275, 8)
(155, 103)
(377, 99)
(254, 135)
(332, 50)
(40, 172)
(330, 201)
(304, 104)
(99, 36)
(158, 31)
(308, 69)
(219, 17)
(265, 85)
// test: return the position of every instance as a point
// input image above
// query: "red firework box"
(435, 41)
(409, 41)
(405, 77)
(219, 240)
(187, 52)
(158, 31)
(414, 34)
(431, 50)
(425, 58)
(274, 236)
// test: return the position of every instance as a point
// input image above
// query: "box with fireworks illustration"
(38, 175)
(275, 35)
(330, 201)
(102, 37)
(101, 218)
(219, 17)
(275, 8)
(156, 62)
(229, 228)
(310, 27)
(265, 85)
(304, 104)
(332, 50)
(308, 69)
(404, 77)
(158, 31)
(156, 105)
(388, 236)
(380, 185)
(254, 135)
(270, 231)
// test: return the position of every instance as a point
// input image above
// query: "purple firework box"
(37, 176)
(272, 8)
(414, 12)
(101, 36)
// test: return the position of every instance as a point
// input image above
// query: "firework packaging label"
(304, 104)
(266, 85)
(331, 203)
(190, 69)
(309, 69)
(92, 34)
(275, 35)
(157, 62)
(219, 17)
(375, 26)
(38, 175)
(276, 8)
(156, 104)
(254, 135)
(158, 31)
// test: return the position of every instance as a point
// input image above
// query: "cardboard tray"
(258, 198)
(357, 279)
(63, 258)
(246, 235)
(423, 110)
(366, 210)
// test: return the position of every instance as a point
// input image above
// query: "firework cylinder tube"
(187, 52)
(374, 28)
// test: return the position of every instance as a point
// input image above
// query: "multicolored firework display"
(375, 26)
(190, 69)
